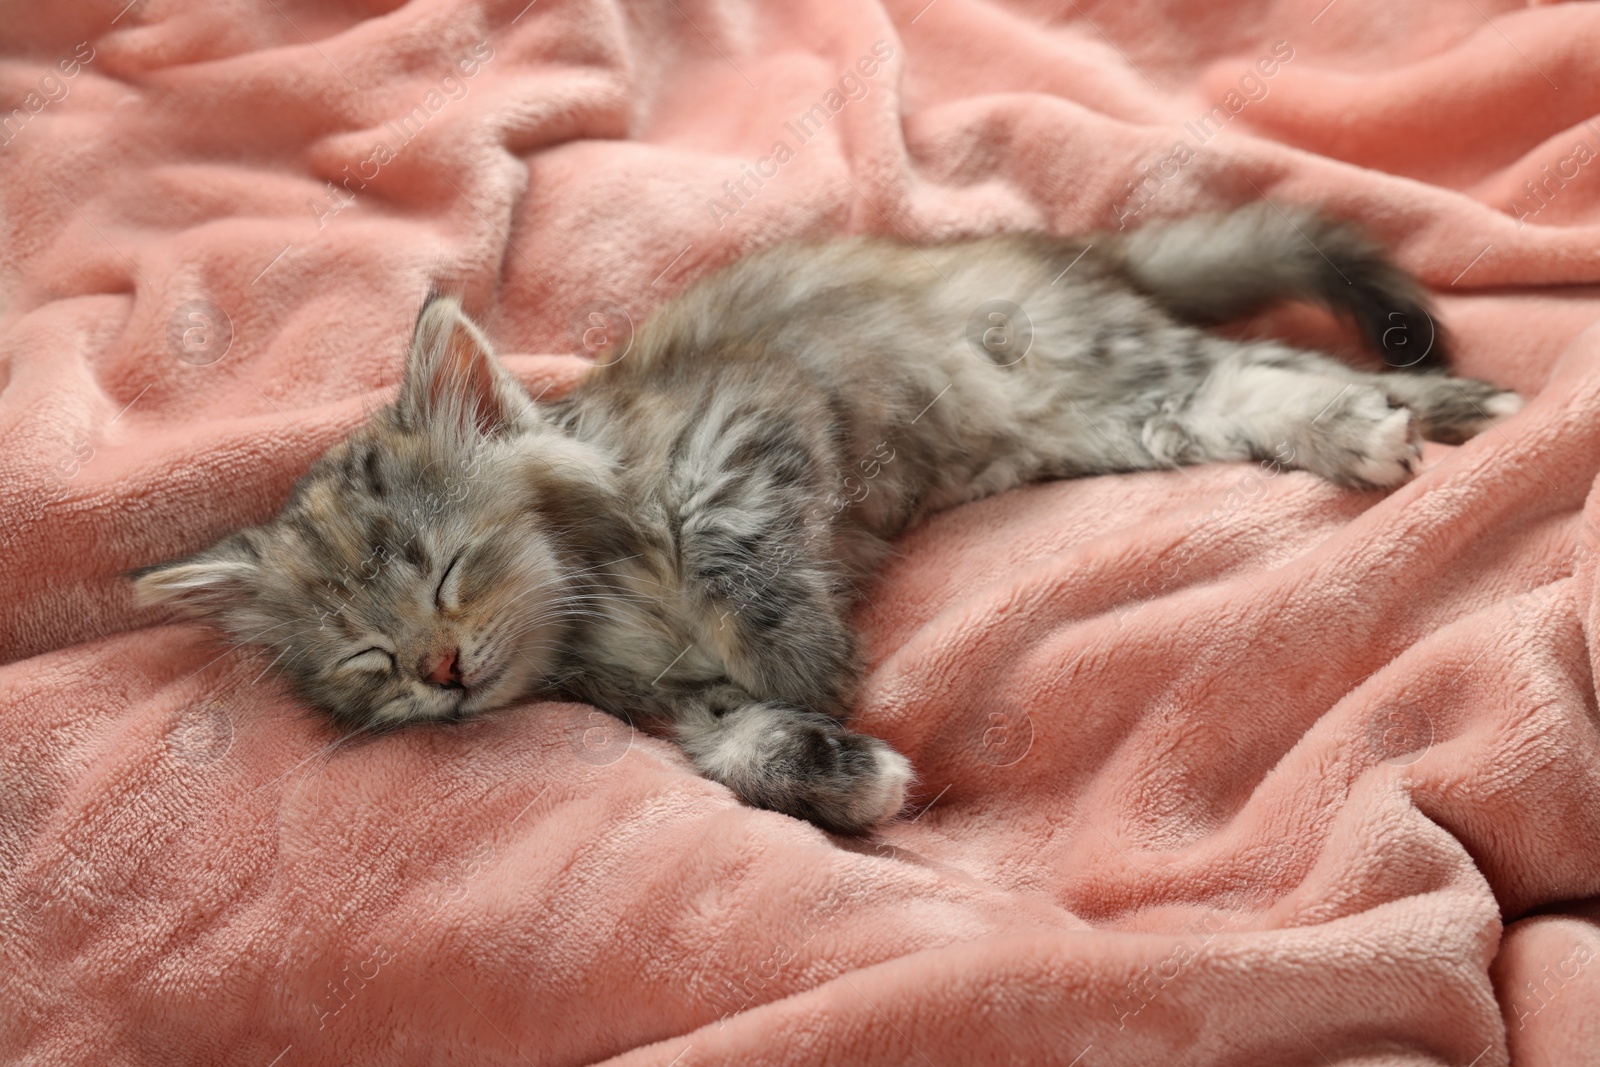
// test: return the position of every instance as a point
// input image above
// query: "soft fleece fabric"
(1220, 766)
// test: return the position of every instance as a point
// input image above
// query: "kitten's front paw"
(887, 794)
(845, 782)
(1361, 440)
(802, 763)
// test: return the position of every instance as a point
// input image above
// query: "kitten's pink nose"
(447, 672)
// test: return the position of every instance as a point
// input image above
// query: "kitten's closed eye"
(447, 596)
(401, 580)
(375, 660)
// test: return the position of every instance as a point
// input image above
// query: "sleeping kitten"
(680, 539)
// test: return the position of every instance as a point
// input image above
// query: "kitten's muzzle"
(445, 671)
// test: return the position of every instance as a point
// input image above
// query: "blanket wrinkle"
(1217, 766)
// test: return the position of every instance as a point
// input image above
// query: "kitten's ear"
(215, 581)
(452, 378)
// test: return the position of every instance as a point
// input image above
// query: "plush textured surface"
(1218, 766)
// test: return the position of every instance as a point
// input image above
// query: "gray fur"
(680, 539)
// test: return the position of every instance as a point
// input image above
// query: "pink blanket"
(1221, 766)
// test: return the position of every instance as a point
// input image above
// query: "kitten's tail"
(1212, 268)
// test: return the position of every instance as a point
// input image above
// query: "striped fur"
(680, 539)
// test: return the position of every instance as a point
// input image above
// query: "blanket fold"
(1218, 766)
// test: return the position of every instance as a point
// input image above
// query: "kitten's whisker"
(608, 594)
(594, 609)
(567, 576)
(235, 647)
(329, 752)
(568, 599)
(571, 613)
(269, 666)
(239, 669)
(335, 743)
(296, 657)
(579, 606)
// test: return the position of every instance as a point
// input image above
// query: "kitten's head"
(414, 573)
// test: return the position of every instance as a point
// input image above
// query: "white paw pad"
(1389, 451)
(890, 783)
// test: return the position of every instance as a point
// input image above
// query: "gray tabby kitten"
(680, 539)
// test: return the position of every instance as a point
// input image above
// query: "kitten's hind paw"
(1361, 440)
(1451, 410)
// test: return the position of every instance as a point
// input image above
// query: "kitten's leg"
(774, 619)
(786, 759)
(761, 561)
(768, 735)
(1447, 408)
(1269, 401)
(1451, 410)
(763, 575)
